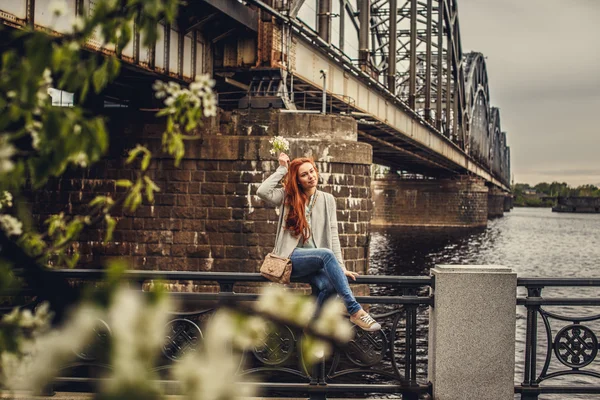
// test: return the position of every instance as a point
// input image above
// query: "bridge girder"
(412, 86)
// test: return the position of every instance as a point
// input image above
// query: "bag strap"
(283, 218)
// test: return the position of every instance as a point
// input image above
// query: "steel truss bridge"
(397, 66)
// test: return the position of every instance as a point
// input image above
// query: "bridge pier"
(508, 203)
(206, 216)
(496, 202)
(435, 203)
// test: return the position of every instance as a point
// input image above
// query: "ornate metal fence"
(380, 362)
(568, 344)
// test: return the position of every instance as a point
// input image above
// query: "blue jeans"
(321, 269)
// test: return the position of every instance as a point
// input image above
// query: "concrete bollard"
(472, 333)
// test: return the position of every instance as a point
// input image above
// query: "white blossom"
(229, 329)
(76, 129)
(331, 321)
(170, 101)
(202, 83)
(49, 352)
(78, 23)
(210, 110)
(58, 7)
(212, 376)
(6, 166)
(42, 96)
(73, 46)
(10, 225)
(280, 144)
(47, 77)
(131, 318)
(6, 199)
(275, 301)
(35, 139)
(7, 150)
(11, 94)
(198, 94)
(80, 159)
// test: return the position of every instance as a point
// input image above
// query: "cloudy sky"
(543, 61)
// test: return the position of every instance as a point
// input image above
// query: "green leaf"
(72, 262)
(100, 78)
(111, 223)
(124, 183)
(150, 189)
(146, 161)
(114, 66)
(133, 153)
(101, 200)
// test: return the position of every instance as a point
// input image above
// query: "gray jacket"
(324, 223)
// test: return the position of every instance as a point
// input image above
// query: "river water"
(535, 242)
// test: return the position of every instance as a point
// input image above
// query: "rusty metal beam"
(180, 44)
(167, 48)
(224, 35)
(393, 40)
(237, 11)
(364, 7)
(136, 43)
(30, 13)
(194, 53)
(412, 95)
(342, 23)
(428, 61)
(324, 18)
(295, 6)
(201, 22)
(440, 66)
(449, 68)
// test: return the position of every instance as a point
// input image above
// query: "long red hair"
(296, 199)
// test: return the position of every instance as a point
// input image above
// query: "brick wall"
(207, 216)
(495, 203)
(429, 203)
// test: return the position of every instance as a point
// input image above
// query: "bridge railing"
(381, 362)
(305, 100)
(561, 347)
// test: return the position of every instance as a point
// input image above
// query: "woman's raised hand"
(283, 159)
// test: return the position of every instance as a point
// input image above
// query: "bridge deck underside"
(390, 148)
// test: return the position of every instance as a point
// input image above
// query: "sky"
(543, 63)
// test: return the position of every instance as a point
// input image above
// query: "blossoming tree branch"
(39, 142)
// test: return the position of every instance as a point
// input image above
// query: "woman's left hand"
(351, 274)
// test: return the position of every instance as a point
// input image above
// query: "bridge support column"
(472, 333)
(508, 203)
(496, 202)
(440, 203)
(207, 216)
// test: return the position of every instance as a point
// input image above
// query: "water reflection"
(534, 242)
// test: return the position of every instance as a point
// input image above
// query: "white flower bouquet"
(280, 144)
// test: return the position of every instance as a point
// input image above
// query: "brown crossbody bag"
(279, 269)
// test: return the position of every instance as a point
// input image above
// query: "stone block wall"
(429, 203)
(508, 203)
(496, 199)
(207, 216)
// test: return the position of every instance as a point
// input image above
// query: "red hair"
(296, 199)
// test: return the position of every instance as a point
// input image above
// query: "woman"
(308, 231)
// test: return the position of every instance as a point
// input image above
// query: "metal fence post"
(318, 379)
(530, 369)
(324, 106)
